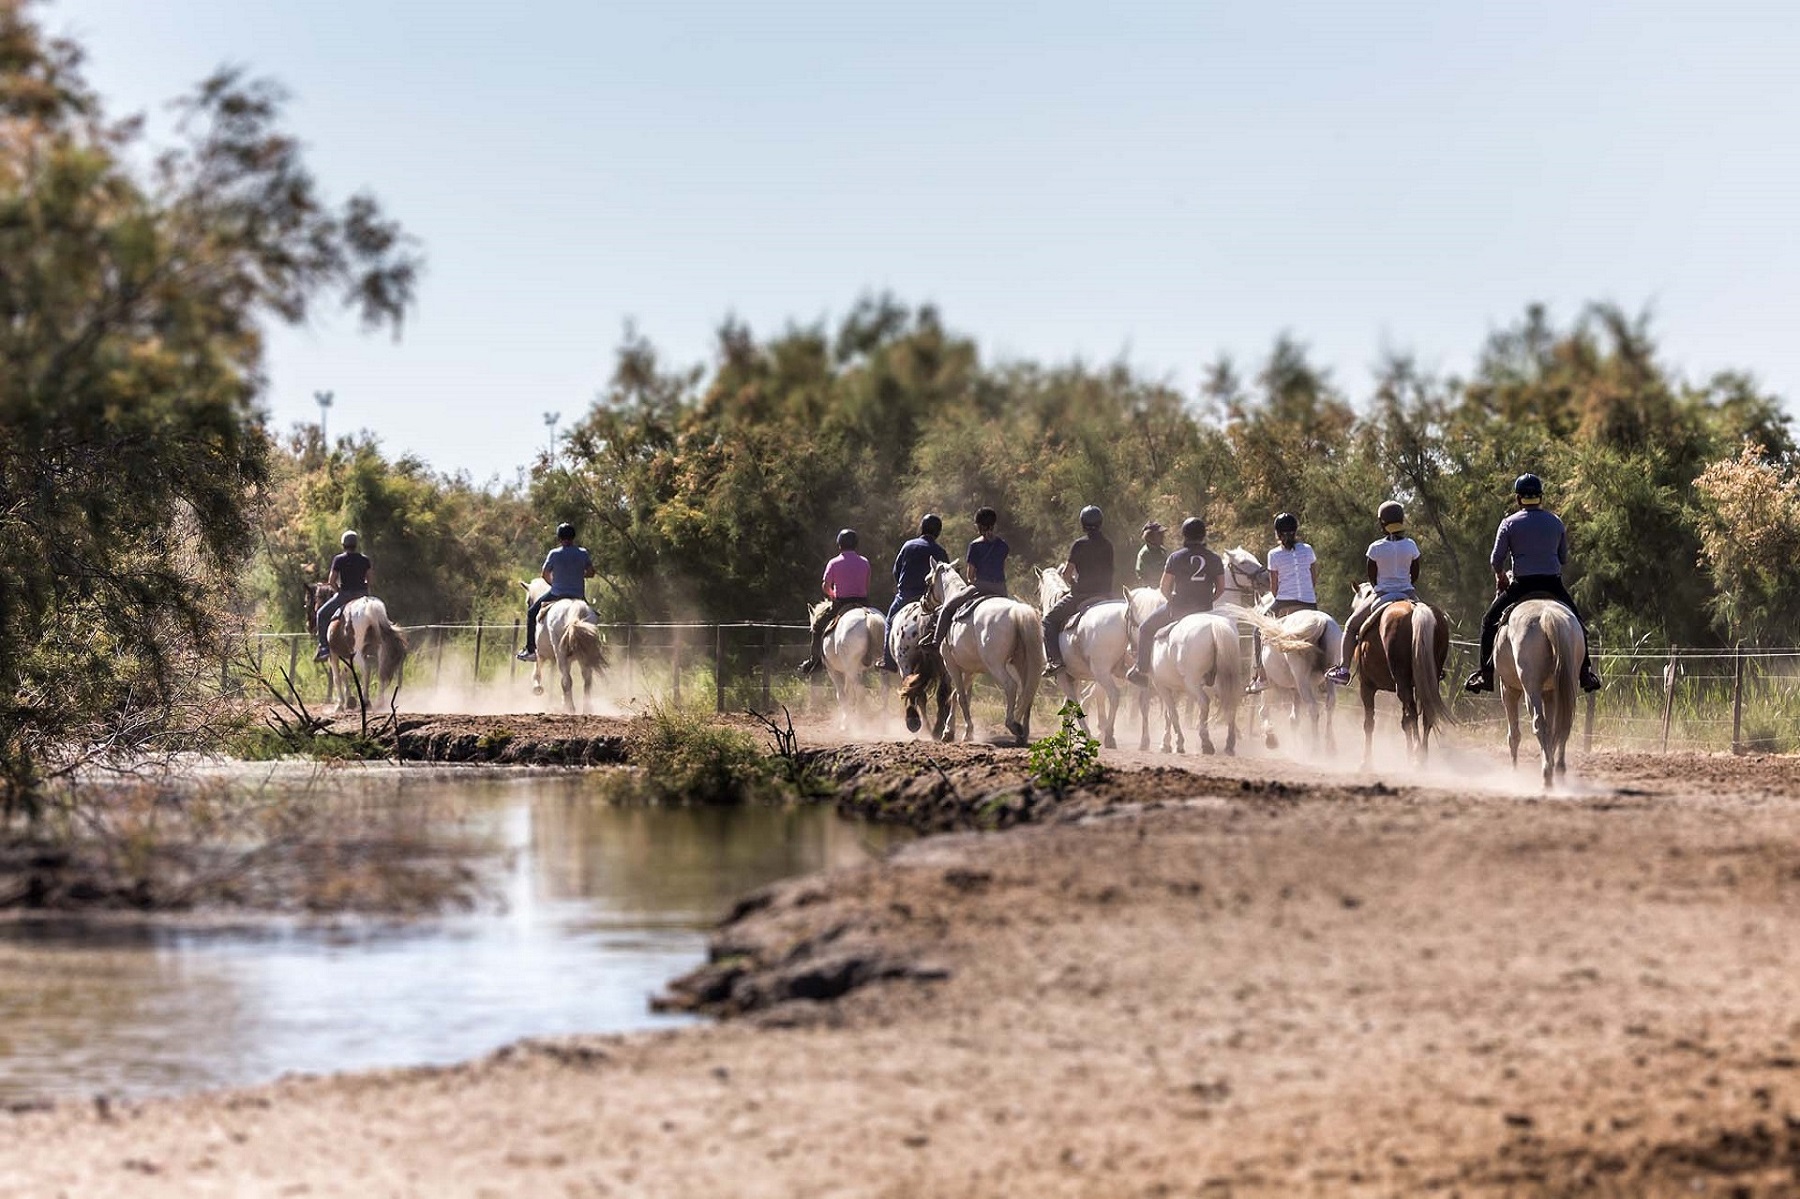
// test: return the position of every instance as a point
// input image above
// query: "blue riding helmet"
(1090, 517)
(1528, 487)
(931, 525)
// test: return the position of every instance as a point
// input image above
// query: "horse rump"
(584, 644)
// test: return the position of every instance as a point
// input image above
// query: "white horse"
(365, 647)
(999, 637)
(1187, 651)
(850, 649)
(1245, 581)
(569, 632)
(1537, 657)
(1297, 650)
(1092, 651)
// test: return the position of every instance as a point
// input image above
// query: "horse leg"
(1202, 713)
(1509, 698)
(1171, 707)
(1109, 687)
(565, 668)
(1143, 707)
(1368, 701)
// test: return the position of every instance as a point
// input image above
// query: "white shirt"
(1393, 565)
(1295, 570)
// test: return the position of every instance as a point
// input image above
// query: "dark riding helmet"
(1090, 517)
(349, 539)
(1391, 513)
(931, 525)
(566, 531)
(846, 539)
(1287, 522)
(1528, 487)
(1193, 529)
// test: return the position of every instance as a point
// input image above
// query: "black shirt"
(1093, 559)
(1195, 569)
(352, 571)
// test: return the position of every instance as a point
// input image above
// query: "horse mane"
(814, 611)
(1052, 587)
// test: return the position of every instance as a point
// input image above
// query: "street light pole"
(323, 400)
(550, 419)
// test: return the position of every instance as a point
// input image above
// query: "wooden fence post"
(768, 664)
(719, 668)
(675, 686)
(629, 656)
(437, 671)
(1737, 698)
(1587, 732)
(1669, 673)
(294, 660)
(512, 655)
(480, 628)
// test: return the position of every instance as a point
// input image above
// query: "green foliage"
(1068, 757)
(132, 304)
(685, 756)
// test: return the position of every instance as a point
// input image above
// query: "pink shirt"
(847, 576)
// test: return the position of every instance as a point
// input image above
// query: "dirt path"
(1252, 979)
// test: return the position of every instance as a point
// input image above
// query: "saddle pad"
(963, 614)
(1095, 602)
(1529, 595)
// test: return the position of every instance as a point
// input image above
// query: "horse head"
(1246, 574)
(1051, 588)
(535, 590)
(946, 582)
(1140, 602)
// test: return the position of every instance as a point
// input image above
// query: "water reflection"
(603, 905)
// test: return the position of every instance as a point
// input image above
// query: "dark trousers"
(1518, 589)
(1155, 623)
(826, 618)
(1059, 615)
(901, 599)
(1281, 608)
(531, 614)
(330, 608)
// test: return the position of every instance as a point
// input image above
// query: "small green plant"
(1067, 757)
(688, 758)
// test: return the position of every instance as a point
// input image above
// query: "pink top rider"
(847, 576)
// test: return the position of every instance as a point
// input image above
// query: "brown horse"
(1404, 651)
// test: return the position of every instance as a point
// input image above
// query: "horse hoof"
(912, 721)
(537, 690)
(1271, 742)
(1207, 749)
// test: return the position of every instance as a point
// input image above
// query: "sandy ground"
(1245, 978)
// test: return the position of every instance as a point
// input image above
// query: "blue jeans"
(330, 608)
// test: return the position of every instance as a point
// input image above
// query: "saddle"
(1529, 595)
(1090, 602)
(968, 602)
(843, 612)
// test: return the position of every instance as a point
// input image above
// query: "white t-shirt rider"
(1393, 559)
(1293, 569)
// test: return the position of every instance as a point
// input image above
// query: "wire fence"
(1744, 700)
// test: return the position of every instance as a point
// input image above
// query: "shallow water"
(602, 906)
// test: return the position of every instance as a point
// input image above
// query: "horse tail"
(876, 624)
(1051, 588)
(1428, 691)
(1569, 652)
(1028, 627)
(1227, 662)
(584, 645)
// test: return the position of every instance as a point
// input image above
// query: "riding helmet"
(1287, 522)
(846, 539)
(348, 540)
(1193, 529)
(1392, 514)
(1090, 517)
(1528, 487)
(931, 525)
(566, 531)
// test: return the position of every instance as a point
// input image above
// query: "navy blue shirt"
(568, 566)
(912, 566)
(1195, 568)
(987, 559)
(352, 572)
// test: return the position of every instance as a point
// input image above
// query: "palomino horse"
(999, 637)
(1297, 650)
(1191, 649)
(1093, 650)
(1403, 650)
(911, 623)
(1537, 656)
(569, 631)
(364, 645)
(850, 649)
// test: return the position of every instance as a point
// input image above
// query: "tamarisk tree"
(135, 287)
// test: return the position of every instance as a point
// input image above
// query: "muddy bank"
(1310, 987)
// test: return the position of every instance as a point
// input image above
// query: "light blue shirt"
(1535, 540)
(568, 566)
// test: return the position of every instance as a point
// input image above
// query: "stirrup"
(1137, 677)
(1590, 681)
(1052, 669)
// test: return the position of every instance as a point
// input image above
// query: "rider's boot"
(1257, 684)
(1140, 671)
(1339, 674)
(1589, 680)
(1481, 680)
(526, 655)
(323, 654)
(1052, 667)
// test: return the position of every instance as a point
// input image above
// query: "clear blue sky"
(1162, 182)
